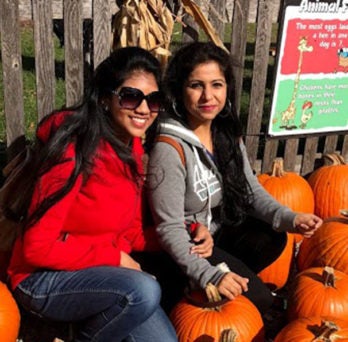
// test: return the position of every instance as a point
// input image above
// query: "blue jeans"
(108, 304)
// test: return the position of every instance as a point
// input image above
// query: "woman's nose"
(207, 93)
(143, 107)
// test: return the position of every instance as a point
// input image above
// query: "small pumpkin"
(9, 316)
(330, 186)
(328, 246)
(276, 274)
(311, 329)
(204, 316)
(319, 292)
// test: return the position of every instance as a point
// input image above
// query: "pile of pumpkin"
(317, 302)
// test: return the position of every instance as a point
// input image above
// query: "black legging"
(254, 242)
(246, 250)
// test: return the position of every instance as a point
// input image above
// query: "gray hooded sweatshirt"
(192, 193)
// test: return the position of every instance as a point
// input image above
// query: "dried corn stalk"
(195, 11)
(145, 23)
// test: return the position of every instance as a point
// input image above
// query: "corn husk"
(144, 23)
(196, 13)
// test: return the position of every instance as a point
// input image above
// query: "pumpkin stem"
(278, 168)
(212, 293)
(325, 331)
(228, 335)
(328, 276)
(344, 212)
(333, 159)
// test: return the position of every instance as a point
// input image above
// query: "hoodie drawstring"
(205, 178)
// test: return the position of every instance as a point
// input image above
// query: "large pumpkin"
(311, 329)
(319, 292)
(197, 318)
(288, 188)
(330, 186)
(9, 316)
(328, 246)
(292, 190)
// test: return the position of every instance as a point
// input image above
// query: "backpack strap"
(175, 144)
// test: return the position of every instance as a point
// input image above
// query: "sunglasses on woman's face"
(131, 98)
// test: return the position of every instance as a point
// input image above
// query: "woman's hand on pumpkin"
(203, 241)
(307, 224)
(127, 261)
(232, 285)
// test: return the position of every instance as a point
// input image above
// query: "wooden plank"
(12, 70)
(269, 154)
(330, 144)
(101, 31)
(309, 155)
(190, 30)
(217, 9)
(290, 153)
(258, 86)
(44, 56)
(238, 44)
(25, 9)
(73, 33)
(345, 148)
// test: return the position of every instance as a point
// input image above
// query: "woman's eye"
(218, 85)
(195, 85)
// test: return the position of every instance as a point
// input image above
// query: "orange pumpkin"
(9, 316)
(288, 188)
(314, 329)
(293, 191)
(328, 246)
(319, 292)
(330, 186)
(276, 274)
(197, 318)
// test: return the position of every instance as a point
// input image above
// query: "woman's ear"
(105, 104)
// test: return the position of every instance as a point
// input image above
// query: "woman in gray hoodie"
(208, 207)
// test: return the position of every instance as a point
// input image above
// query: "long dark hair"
(85, 125)
(226, 127)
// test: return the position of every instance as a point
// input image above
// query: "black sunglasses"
(131, 98)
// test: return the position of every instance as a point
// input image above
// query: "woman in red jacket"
(72, 262)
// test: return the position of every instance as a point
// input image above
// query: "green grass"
(29, 87)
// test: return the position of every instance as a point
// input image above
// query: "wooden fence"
(300, 154)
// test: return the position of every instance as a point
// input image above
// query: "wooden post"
(12, 73)
(217, 9)
(74, 61)
(44, 56)
(238, 43)
(258, 87)
(101, 31)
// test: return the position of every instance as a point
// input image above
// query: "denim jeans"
(107, 304)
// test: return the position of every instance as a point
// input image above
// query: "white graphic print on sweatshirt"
(204, 181)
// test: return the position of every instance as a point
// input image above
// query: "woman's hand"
(203, 241)
(128, 262)
(232, 285)
(307, 224)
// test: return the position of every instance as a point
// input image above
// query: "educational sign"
(310, 93)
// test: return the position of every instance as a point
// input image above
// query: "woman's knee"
(148, 290)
